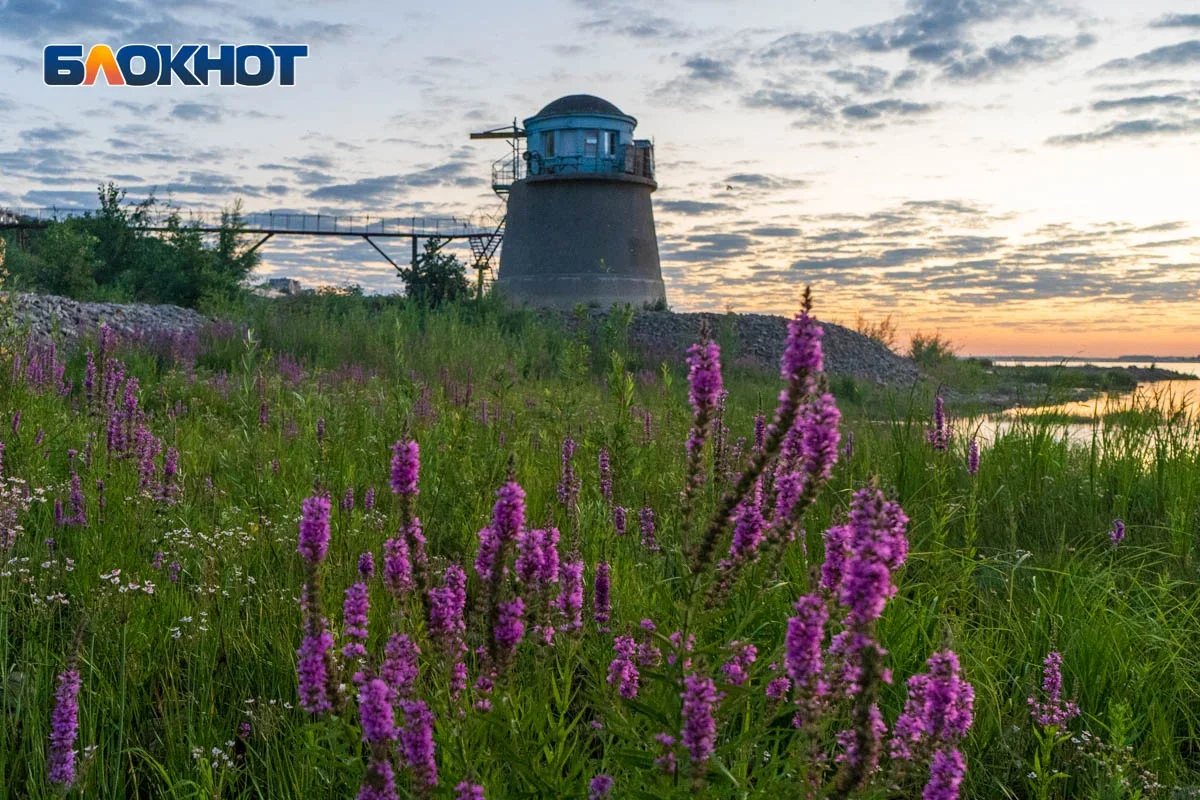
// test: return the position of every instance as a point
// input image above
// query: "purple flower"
(366, 565)
(802, 355)
(468, 791)
(699, 733)
(747, 529)
(375, 712)
(320, 430)
(737, 668)
(819, 438)
(400, 669)
(704, 389)
(537, 558)
(646, 518)
(760, 431)
(939, 435)
(397, 567)
(837, 549)
(508, 514)
(157, 561)
(416, 743)
(849, 740)
(348, 500)
(622, 671)
(601, 602)
(973, 456)
(314, 529)
(570, 601)
(666, 762)
(369, 499)
(1053, 710)
(380, 781)
(805, 632)
(173, 570)
(778, 688)
(606, 487)
(1117, 534)
(877, 546)
(59, 519)
(939, 708)
(312, 670)
(446, 606)
(355, 613)
(568, 484)
(64, 728)
(264, 414)
(600, 787)
(619, 520)
(510, 623)
(16, 422)
(946, 773)
(406, 467)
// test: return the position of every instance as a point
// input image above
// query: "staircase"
(483, 250)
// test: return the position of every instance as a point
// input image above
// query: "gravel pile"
(43, 313)
(758, 339)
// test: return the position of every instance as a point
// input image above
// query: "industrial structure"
(579, 227)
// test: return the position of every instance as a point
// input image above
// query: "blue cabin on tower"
(579, 225)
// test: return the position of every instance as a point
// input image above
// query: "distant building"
(284, 285)
(579, 226)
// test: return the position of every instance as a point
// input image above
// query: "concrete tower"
(579, 227)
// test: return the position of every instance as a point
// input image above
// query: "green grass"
(1004, 566)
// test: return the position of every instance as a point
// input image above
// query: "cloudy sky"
(1023, 175)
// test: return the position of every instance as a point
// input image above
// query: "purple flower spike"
(406, 467)
(64, 728)
(468, 791)
(311, 668)
(416, 743)
(510, 625)
(699, 734)
(946, 773)
(355, 612)
(805, 633)
(314, 529)
(600, 787)
(1117, 534)
(375, 712)
(1053, 710)
(973, 456)
(601, 597)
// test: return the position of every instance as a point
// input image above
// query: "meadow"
(154, 552)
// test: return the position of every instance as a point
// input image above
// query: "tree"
(436, 277)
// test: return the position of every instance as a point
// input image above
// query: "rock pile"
(758, 339)
(46, 313)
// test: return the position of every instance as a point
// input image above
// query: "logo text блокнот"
(167, 65)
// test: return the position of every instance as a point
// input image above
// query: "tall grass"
(1005, 566)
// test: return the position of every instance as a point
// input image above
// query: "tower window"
(548, 144)
(591, 143)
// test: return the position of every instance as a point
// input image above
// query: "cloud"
(1142, 101)
(60, 198)
(882, 108)
(867, 80)
(1177, 21)
(383, 188)
(197, 112)
(1131, 129)
(709, 70)
(758, 180)
(53, 135)
(1018, 52)
(695, 207)
(812, 109)
(1172, 55)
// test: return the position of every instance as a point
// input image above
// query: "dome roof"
(579, 104)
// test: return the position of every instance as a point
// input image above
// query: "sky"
(1022, 176)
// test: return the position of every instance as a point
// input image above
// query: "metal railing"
(632, 160)
(273, 222)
